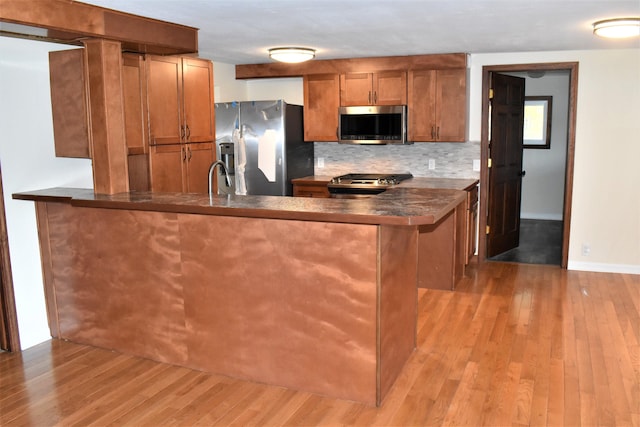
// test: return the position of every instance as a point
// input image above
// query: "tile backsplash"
(449, 160)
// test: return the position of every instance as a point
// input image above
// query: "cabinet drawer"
(310, 191)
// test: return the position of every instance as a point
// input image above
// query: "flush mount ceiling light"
(292, 55)
(617, 28)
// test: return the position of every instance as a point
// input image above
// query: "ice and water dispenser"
(227, 156)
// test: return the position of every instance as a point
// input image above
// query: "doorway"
(561, 227)
(9, 337)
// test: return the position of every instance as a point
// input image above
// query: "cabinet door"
(198, 159)
(321, 102)
(164, 91)
(69, 103)
(437, 105)
(390, 88)
(167, 170)
(356, 89)
(134, 96)
(197, 77)
(451, 101)
(422, 104)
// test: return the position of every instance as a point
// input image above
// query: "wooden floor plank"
(513, 345)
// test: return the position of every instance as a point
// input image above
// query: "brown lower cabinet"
(472, 221)
(441, 259)
(180, 167)
(302, 316)
(304, 187)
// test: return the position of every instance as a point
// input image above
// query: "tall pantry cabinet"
(181, 123)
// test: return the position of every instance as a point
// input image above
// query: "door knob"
(522, 173)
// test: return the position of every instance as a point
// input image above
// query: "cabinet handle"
(182, 132)
(369, 98)
(189, 153)
(188, 132)
(433, 132)
(438, 132)
(375, 97)
(184, 154)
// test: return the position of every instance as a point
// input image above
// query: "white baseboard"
(543, 216)
(603, 268)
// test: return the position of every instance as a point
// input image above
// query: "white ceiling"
(241, 31)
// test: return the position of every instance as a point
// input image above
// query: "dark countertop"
(397, 206)
(439, 183)
(416, 182)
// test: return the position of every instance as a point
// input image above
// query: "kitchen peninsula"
(312, 294)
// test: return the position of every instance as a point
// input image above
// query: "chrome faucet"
(224, 170)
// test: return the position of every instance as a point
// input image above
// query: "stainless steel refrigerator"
(262, 145)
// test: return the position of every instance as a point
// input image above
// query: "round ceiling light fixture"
(292, 55)
(618, 28)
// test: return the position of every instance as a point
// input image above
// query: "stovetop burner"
(371, 178)
(365, 183)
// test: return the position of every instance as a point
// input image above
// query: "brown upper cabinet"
(437, 107)
(69, 103)
(381, 88)
(434, 88)
(180, 99)
(321, 102)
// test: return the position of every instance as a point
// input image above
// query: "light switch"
(432, 164)
(476, 165)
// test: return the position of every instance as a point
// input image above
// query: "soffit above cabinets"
(72, 22)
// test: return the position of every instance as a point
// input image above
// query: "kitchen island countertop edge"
(397, 206)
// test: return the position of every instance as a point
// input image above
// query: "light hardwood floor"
(515, 345)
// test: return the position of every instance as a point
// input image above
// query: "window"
(537, 122)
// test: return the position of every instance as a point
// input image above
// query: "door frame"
(9, 336)
(572, 67)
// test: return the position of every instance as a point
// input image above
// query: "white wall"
(543, 185)
(606, 201)
(28, 162)
(228, 89)
(290, 89)
(225, 86)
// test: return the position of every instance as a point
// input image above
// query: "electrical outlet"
(320, 162)
(586, 249)
(432, 164)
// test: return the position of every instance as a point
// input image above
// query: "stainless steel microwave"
(373, 124)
